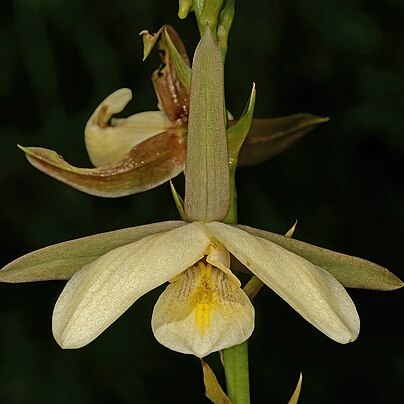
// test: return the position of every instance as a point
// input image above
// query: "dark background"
(344, 182)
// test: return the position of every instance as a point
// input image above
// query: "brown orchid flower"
(146, 149)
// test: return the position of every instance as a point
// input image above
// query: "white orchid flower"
(203, 309)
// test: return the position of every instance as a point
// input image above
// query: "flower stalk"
(235, 362)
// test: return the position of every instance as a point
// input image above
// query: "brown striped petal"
(172, 94)
(147, 165)
(269, 137)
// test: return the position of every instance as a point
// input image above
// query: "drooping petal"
(102, 291)
(62, 260)
(202, 311)
(311, 291)
(147, 165)
(269, 137)
(352, 272)
(109, 141)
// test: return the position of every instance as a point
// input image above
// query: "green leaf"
(148, 165)
(206, 167)
(213, 390)
(296, 394)
(351, 272)
(269, 137)
(61, 261)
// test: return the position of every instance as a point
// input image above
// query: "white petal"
(311, 291)
(202, 311)
(107, 142)
(103, 290)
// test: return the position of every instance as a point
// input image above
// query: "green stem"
(236, 371)
(253, 286)
(235, 358)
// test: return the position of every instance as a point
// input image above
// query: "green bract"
(207, 186)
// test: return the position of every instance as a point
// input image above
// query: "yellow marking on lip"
(204, 298)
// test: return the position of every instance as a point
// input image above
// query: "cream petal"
(107, 142)
(202, 311)
(103, 290)
(311, 291)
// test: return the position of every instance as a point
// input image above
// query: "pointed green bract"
(182, 70)
(236, 135)
(179, 202)
(351, 272)
(171, 42)
(206, 166)
(61, 261)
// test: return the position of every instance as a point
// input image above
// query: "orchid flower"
(143, 151)
(131, 154)
(203, 309)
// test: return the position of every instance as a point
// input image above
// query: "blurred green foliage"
(344, 182)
